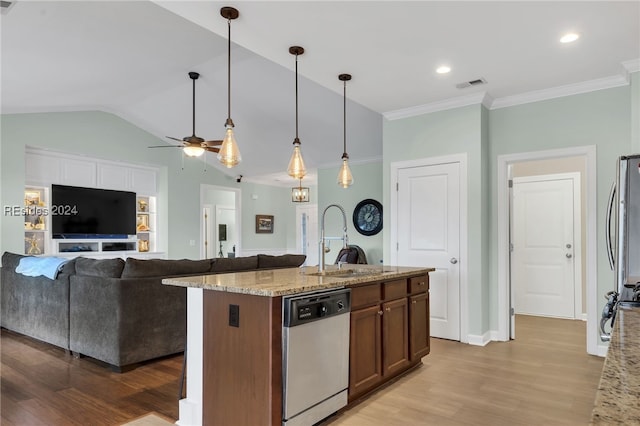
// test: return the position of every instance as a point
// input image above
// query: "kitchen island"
(618, 395)
(234, 336)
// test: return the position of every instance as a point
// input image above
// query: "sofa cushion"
(234, 264)
(107, 268)
(283, 261)
(138, 268)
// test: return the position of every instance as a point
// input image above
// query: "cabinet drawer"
(365, 295)
(419, 284)
(394, 289)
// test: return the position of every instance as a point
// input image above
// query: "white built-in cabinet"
(44, 168)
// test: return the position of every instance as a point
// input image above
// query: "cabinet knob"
(413, 302)
(387, 309)
(421, 283)
(380, 313)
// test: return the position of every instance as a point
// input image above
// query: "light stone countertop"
(618, 396)
(281, 282)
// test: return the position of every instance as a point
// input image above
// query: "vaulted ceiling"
(132, 58)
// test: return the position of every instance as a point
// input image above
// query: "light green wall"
(367, 183)
(445, 133)
(106, 136)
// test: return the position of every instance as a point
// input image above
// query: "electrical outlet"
(234, 315)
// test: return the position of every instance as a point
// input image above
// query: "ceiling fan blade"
(211, 149)
(175, 139)
(165, 146)
(214, 143)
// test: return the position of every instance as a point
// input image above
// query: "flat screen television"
(92, 213)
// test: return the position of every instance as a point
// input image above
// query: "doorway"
(546, 236)
(589, 242)
(307, 241)
(429, 217)
(220, 221)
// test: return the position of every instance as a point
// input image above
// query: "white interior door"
(544, 249)
(307, 232)
(429, 235)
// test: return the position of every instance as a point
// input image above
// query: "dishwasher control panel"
(301, 309)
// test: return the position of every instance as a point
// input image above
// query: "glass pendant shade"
(229, 154)
(345, 178)
(193, 151)
(296, 167)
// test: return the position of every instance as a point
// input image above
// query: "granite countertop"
(618, 396)
(280, 282)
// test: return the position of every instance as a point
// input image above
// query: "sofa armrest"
(125, 321)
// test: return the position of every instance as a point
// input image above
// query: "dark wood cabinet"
(365, 369)
(395, 336)
(419, 326)
(384, 323)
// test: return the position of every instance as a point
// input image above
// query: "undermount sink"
(346, 273)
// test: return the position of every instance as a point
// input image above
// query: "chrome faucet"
(344, 238)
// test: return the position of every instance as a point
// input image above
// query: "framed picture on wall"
(264, 224)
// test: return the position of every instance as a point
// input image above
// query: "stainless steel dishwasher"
(315, 338)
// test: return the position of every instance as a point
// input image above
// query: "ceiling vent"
(476, 82)
(5, 6)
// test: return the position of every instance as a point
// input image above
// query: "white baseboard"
(602, 350)
(480, 340)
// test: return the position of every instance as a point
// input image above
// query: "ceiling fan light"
(345, 178)
(193, 151)
(229, 154)
(296, 167)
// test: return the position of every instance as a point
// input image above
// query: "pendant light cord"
(344, 154)
(229, 121)
(296, 140)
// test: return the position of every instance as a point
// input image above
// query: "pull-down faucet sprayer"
(344, 238)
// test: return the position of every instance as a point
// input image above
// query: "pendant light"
(300, 194)
(229, 154)
(345, 178)
(296, 167)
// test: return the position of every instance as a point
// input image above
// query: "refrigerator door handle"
(612, 196)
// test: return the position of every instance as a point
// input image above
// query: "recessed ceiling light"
(443, 69)
(568, 38)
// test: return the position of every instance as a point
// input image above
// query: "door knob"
(568, 245)
(453, 260)
(569, 255)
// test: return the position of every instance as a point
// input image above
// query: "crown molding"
(632, 65)
(561, 91)
(484, 98)
(461, 101)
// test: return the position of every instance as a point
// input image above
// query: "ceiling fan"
(193, 146)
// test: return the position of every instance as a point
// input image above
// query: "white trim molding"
(480, 340)
(589, 153)
(457, 102)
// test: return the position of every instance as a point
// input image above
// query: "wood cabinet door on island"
(395, 336)
(365, 365)
(419, 326)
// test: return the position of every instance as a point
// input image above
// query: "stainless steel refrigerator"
(623, 238)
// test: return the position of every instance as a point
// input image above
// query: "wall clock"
(367, 217)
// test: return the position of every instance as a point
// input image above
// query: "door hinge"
(512, 312)
(397, 246)
(397, 186)
(510, 183)
(511, 247)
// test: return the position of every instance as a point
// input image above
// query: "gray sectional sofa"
(113, 310)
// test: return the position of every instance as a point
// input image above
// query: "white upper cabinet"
(46, 168)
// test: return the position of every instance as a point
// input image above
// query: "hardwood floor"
(543, 377)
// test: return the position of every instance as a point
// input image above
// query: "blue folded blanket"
(36, 266)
